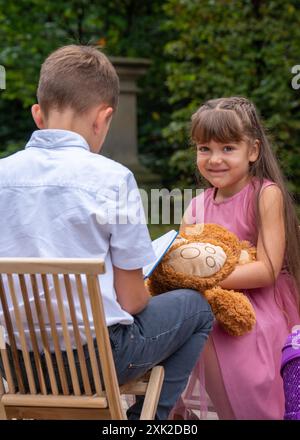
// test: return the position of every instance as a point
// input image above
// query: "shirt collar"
(54, 138)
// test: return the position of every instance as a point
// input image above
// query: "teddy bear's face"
(198, 261)
(201, 259)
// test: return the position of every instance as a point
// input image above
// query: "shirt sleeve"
(130, 242)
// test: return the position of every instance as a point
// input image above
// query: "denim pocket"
(134, 371)
(146, 365)
(113, 332)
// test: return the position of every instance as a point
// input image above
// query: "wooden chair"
(94, 398)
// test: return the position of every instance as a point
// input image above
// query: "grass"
(158, 230)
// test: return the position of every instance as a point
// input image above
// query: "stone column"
(121, 143)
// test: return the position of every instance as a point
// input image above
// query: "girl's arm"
(270, 246)
(183, 225)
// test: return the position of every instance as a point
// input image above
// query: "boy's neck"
(92, 125)
(66, 121)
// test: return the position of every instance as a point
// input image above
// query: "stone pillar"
(121, 143)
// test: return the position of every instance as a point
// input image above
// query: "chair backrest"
(41, 284)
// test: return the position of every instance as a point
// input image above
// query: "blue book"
(160, 246)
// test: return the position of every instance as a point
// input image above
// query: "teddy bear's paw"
(180, 240)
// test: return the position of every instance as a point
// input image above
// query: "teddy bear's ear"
(192, 230)
(244, 257)
(248, 253)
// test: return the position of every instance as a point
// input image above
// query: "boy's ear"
(254, 151)
(37, 116)
(108, 113)
(103, 117)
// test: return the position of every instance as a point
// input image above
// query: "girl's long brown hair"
(233, 120)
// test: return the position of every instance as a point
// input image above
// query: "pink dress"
(250, 364)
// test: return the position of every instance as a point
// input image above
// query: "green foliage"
(120, 27)
(199, 50)
(225, 48)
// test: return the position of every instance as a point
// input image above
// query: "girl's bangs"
(218, 125)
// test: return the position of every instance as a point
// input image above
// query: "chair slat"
(55, 338)
(7, 371)
(81, 357)
(104, 347)
(90, 342)
(32, 333)
(11, 337)
(48, 265)
(4, 361)
(53, 401)
(23, 342)
(44, 337)
(2, 389)
(56, 413)
(66, 335)
(152, 396)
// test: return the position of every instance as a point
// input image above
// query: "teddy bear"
(200, 258)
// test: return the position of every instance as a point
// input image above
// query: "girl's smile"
(211, 171)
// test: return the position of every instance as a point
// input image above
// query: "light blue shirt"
(60, 200)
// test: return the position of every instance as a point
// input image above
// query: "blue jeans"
(170, 331)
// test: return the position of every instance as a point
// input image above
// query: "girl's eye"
(228, 148)
(202, 149)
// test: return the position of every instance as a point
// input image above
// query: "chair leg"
(2, 412)
(153, 393)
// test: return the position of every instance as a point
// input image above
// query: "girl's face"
(226, 166)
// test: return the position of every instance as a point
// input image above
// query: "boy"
(60, 199)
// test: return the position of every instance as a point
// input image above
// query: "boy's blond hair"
(79, 77)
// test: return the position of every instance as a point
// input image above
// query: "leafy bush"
(225, 48)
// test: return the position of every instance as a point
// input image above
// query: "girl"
(247, 196)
